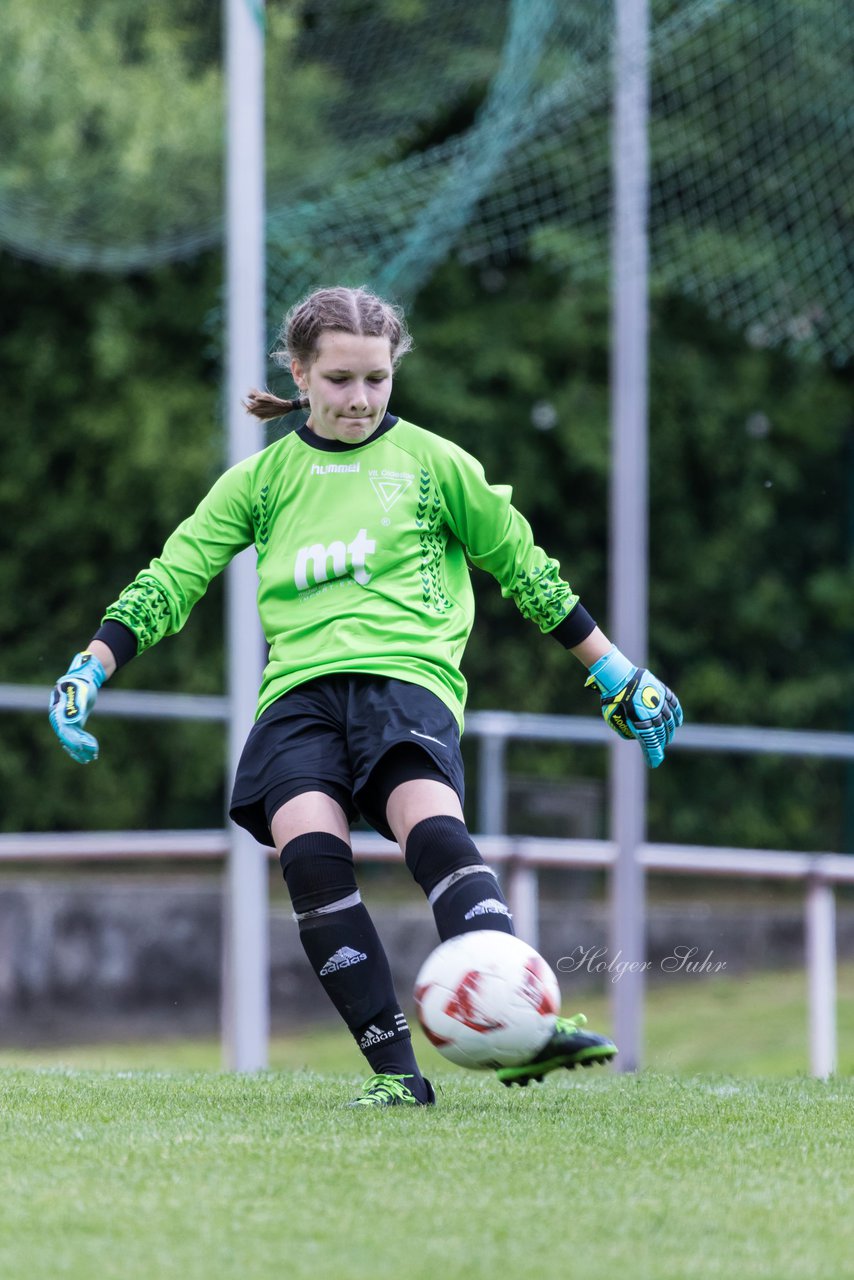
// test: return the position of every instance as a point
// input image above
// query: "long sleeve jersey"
(363, 558)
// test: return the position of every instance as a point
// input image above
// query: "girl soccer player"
(364, 527)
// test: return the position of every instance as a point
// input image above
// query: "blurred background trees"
(111, 396)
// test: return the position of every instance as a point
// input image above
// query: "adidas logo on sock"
(343, 958)
(489, 906)
(374, 1035)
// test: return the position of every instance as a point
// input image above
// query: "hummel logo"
(489, 906)
(343, 958)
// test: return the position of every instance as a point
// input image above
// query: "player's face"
(348, 384)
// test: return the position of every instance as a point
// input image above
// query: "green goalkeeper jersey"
(363, 558)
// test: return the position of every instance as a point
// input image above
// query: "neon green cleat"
(570, 1046)
(390, 1091)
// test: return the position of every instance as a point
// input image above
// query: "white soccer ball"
(486, 999)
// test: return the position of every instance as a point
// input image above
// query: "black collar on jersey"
(338, 446)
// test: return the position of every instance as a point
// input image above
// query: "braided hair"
(338, 310)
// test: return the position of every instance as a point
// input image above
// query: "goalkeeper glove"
(72, 698)
(635, 704)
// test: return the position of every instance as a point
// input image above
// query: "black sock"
(345, 951)
(460, 887)
(390, 1056)
(470, 901)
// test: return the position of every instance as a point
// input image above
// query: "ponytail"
(334, 310)
(264, 405)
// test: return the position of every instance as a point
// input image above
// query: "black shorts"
(329, 735)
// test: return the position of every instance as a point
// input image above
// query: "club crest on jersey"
(389, 485)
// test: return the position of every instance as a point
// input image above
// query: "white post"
(821, 976)
(492, 785)
(523, 899)
(245, 1021)
(628, 499)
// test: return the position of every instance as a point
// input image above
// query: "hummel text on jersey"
(316, 559)
(334, 469)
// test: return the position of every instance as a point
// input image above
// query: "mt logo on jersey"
(338, 560)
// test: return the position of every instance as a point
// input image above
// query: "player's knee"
(319, 873)
(438, 848)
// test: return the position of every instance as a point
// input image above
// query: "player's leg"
(425, 815)
(465, 895)
(409, 784)
(413, 794)
(293, 789)
(311, 833)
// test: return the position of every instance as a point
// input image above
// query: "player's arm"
(498, 538)
(105, 656)
(156, 604)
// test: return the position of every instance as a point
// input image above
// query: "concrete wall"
(102, 956)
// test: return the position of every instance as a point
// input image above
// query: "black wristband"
(119, 639)
(574, 628)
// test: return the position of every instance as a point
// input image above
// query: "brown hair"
(338, 310)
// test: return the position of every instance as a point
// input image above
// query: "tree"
(117, 436)
(751, 463)
(751, 600)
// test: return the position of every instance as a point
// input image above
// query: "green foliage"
(112, 119)
(116, 438)
(89, 84)
(752, 485)
(752, 498)
(113, 116)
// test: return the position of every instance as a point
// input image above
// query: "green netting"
(401, 131)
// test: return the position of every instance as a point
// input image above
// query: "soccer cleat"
(569, 1046)
(390, 1091)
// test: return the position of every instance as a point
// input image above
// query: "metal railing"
(520, 857)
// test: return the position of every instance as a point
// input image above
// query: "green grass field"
(125, 1162)
(204, 1176)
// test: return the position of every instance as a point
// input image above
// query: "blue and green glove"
(72, 698)
(635, 704)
